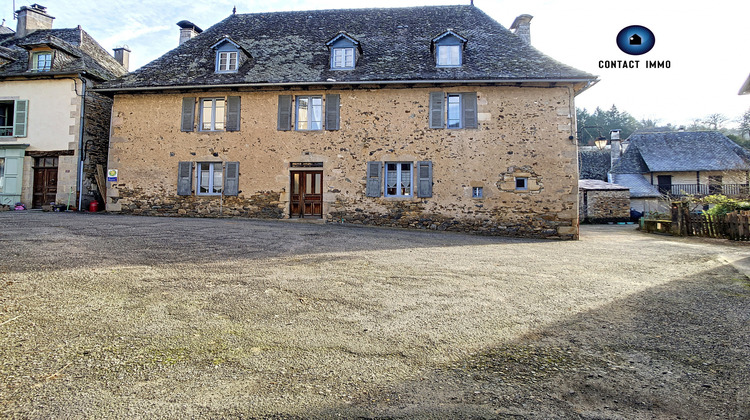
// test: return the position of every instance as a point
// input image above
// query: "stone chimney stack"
(31, 19)
(522, 27)
(188, 30)
(615, 151)
(122, 55)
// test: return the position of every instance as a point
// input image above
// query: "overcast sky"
(705, 42)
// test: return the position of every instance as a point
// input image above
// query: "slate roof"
(599, 185)
(681, 151)
(290, 48)
(638, 185)
(84, 54)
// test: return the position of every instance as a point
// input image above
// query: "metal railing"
(680, 190)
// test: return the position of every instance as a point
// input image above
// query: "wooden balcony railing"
(680, 190)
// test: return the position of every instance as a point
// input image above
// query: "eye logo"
(635, 40)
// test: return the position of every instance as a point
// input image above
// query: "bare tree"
(715, 121)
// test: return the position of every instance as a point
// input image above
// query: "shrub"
(723, 205)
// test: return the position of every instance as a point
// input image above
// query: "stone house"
(423, 117)
(658, 165)
(603, 202)
(53, 128)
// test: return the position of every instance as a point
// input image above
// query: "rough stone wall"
(96, 140)
(523, 131)
(605, 206)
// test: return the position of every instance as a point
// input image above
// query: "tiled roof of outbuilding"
(87, 56)
(680, 151)
(290, 48)
(638, 185)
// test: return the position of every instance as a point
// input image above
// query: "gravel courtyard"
(136, 317)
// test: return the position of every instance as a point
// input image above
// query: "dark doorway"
(665, 184)
(306, 194)
(45, 181)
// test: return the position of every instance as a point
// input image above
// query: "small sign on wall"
(112, 175)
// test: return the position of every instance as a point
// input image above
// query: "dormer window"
(344, 52)
(229, 55)
(448, 49)
(41, 61)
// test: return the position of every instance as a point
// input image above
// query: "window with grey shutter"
(469, 108)
(232, 178)
(285, 113)
(424, 176)
(21, 117)
(185, 178)
(436, 110)
(373, 178)
(233, 113)
(332, 112)
(188, 114)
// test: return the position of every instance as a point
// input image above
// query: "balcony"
(681, 190)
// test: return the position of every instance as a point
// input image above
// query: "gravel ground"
(116, 316)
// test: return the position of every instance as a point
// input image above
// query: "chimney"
(615, 151)
(31, 19)
(122, 55)
(522, 28)
(188, 30)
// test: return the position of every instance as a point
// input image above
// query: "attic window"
(226, 61)
(342, 58)
(448, 49)
(229, 56)
(344, 52)
(41, 61)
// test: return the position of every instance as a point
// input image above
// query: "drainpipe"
(80, 143)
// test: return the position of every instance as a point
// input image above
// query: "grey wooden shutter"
(332, 112)
(469, 104)
(233, 113)
(185, 178)
(232, 178)
(188, 114)
(285, 113)
(374, 170)
(436, 110)
(21, 118)
(424, 177)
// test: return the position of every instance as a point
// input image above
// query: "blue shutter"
(188, 114)
(374, 169)
(469, 105)
(436, 110)
(21, 118)
(185, 178)
(232, 178)
(233, 113)
(424, 177)
(285, 113)
(332, 112)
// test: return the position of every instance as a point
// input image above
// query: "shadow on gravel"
(71, 240)
(680, 350)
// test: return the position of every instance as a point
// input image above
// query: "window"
(209, 178)
(13, 117)
(454, 110)
(2, 174)
(309, 113)
(522, 184)
(41, 61)
(477, 192)
(398, 179)
(342, 58)
(212, 114)
(449, 55)
(226, 61)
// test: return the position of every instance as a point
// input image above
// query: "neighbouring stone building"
(53, 129)
(422, 117)
(603, 202)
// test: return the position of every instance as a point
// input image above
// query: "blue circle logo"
(636, 40)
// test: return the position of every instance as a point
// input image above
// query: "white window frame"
(47, 66)
(213, 123)
(400, 177)
(342, 58)
(477, 192)
(456, 106)
(524, 181)
(309, 123)
(7, 130)
(213, 169)
(227, 61)
(2, 174)
(449, 56)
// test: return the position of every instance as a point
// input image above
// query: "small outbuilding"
(603, 202)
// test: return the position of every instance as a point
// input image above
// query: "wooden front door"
(307, 194)
(45, 181)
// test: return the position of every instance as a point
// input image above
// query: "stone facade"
(524, 132)
(602, 202)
